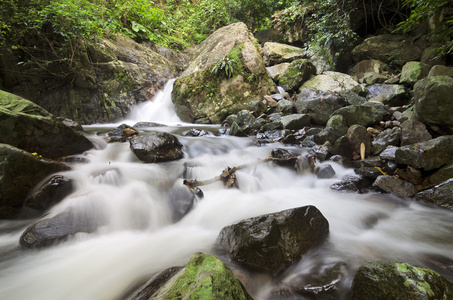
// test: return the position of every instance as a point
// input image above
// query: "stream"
(138, 237)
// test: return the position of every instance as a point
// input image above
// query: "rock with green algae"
(226, 74)
(392, 280)
(20, 171)
(297, 73)
(204, 277)
(25, 125)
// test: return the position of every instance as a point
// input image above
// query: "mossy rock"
(27, 126)
(204, 277)
(392, 280)
(297, 73)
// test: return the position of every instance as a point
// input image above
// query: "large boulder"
(20, 172)
(226, 74)
(297, 73)
(51, 192)
(26, 125)
(429, 155)
(367, 114)
(275, 241)
(433, 105)
(395, 186)
(319, 105)
(276, 53)
(392, 280)
(331, 81)
(414, 71)
(390, 49)
(156, 147)
(204, 277)
(368, 66)
(439, 195)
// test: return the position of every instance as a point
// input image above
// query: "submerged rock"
(28, 126)
(20, 172)
(392, 280)
(156, 147)
(204, 277)
(275, 241)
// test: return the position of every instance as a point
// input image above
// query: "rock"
(27, 126)
(393, 50)
(196, 132)
(395, 186)
(331, 81)
(433, 105)
(295, 121)
(441, 175)
(342, 147)
(148, 125)
(389, 137)
(389, 153)
(204, 277)
(50, 193)
(335, 128)
(257, 107)
(325, 172)
(367, 67)
(354, 99)
(156, 147)
(277, 70)
(20, 172)
(118, 131)
(180, 200)
(392, 280)
(154, 284)
(296, 74)
(389, 94)
(285, 107)
(276, 53)
(275, 241)
(441, 71)
(414, 71)
(206, 93)
(431, 56)
(357, 134)
(373, 78)
(368, 172)
(356, 184)
(410, 174)
(429, 155)
(318, 105)
(414, 132)
(51, 230)
(439, 195)
(365, 115)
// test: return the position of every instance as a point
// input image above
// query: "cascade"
(138, 238)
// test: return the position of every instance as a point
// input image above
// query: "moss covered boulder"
(20, 172)
(297, 73)
(204, 277)
(331, 81)
(225, 75)
(391, 280)
(27, 126)
(276, 53)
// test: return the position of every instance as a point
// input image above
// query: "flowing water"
(138, 238)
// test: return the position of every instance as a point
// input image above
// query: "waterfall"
(138, 238)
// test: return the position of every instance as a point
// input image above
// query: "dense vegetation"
(40, 28)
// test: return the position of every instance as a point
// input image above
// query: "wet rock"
(395, 186)
(196, 132)
(410, 174)
(154, 284)
(389, 94)
(365, 115)
(389, 137)
(413, 132)
(27, 126)
(331, 81)
(51, 230)
(20, 172)
(356, 184)
(118, 131)
(433, 105)
(439, 195)
(318, 105)
(276, 53)
(273, 242)
(322, 152)
(414, 71)
(368, 172)
(428, 155)
(295, 121)
(271, 135)
(204, 277)
(441, 175)
(181, 201)
(147, 124)
(285, 107)
(50, 193)
(325, 172)
(342, 147)
(390, 49)
(297, 73)
(357, 135)
(392, 280)
(284, 157)
(156, 147)
(389, 153)
(200, 94)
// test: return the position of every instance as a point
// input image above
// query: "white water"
(138, 238)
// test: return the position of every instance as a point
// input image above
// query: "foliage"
(230, 64)
(439, 13)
